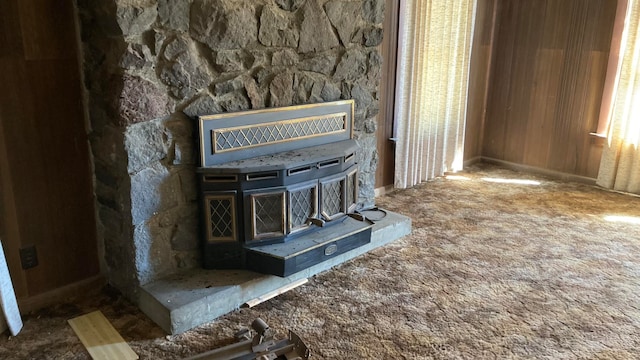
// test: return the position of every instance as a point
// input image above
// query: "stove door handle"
(316, 221)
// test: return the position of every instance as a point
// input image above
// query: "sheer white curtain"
(620, 164)
(434, 51)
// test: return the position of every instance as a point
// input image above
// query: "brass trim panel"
(285, 108)
(274, 131)
(208, 124)
(231, 197)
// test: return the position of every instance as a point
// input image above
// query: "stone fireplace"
(151, 67)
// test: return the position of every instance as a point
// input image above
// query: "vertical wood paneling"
(479, 73)
(499, 91)
(10, 37)
(9, 228)
(527, 37)
(543, 102)
(564, 137)
(47, 29)
(549, 69)
(45, 166)
(386, 153)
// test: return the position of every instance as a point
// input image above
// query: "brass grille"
(280, 131)
(268, 215)
(221, 215)
(303, 205)
(332, 198)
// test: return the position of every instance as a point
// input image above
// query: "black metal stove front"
(278, 187)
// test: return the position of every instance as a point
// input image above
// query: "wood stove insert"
(279, 188)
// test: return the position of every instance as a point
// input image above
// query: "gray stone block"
(344, 15)
(289, 5)
(228, 86)
(203, 105)
(281, 90)
(134, 20)
(330, 92)
(234, 101)
(136, 57)
(254, 93)
(224, 24)
(233, 60)
(372, 36)
(278, 28)
(174, 14)
(138, 100)
(145, 145)
(316, 33)
(352, 66)
(185, 71)
(154, 258)
(153, 189)
(320, 63)
(284, 57)
(373, 11)
(184, 300)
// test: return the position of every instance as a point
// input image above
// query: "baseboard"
(540, 171)
(383, 190)
(473, 160)
(59, 295)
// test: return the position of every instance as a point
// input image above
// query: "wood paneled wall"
(547, 77)
(45, 169)
(479, 76)
(386, 147)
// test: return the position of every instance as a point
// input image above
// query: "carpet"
(500, 265)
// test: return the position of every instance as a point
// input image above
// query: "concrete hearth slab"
(183, 301)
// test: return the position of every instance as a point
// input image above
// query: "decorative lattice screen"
(221, 213)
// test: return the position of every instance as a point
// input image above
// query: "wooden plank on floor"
(100, 337)
(274, 293)
(8, 302)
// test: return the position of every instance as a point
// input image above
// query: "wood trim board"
(8, 303)
(100, 338)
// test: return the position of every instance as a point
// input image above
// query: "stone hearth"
(193, 297)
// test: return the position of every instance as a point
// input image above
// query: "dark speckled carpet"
(500, 265)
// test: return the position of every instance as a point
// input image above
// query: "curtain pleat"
(620, 163)
(431, 91)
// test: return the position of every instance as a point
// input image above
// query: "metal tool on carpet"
(262, 346)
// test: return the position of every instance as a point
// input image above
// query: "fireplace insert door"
(267, 214)
(302, 206)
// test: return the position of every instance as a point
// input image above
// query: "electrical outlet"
(29, 257)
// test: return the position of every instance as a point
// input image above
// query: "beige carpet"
(492, 270)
